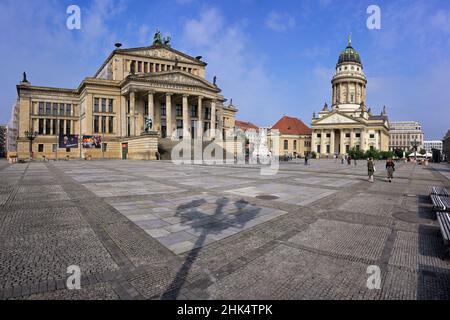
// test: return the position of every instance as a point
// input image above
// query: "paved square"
(155, 230)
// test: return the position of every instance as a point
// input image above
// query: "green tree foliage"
(356, 153)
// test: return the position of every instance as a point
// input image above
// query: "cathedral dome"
(349, 54)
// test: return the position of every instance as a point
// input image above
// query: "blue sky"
(273, 58)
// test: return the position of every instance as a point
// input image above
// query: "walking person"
(306, 159)
(390, 168)
(349, 160)
(354, 160)
(370, 169)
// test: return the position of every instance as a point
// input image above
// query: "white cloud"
(241, 73)
(280, 22)
(200, 32)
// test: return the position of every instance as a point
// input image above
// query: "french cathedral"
(349, 123)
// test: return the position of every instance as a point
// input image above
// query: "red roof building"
(292, 126)
(245, 125)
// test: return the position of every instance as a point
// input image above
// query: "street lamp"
(31, 136)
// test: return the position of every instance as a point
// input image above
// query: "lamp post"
(31, 136)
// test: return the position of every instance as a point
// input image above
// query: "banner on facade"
(68, 141)
(92, 142)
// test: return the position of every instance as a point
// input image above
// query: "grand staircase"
(166, 145)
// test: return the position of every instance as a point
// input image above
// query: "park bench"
(441, 200)
(444, 224)
(440, 191)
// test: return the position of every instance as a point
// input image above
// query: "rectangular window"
(41, 126)
(55, 126)
(179, 124)
(347, 135)
(207, 113)
(319, 135)
(47, 126)
(295, 145)
(96, 104)
(140, 66)
(128, 127)
(68, 127)
(163, 110)
(358, 135)
(194, 111)
(179, 110)
(318, 148)
(61, 109)
(328, 135)
(146, 108)
(40, 147)
(146, 67)
(128, 107)
(48, 108)
(41, 108)
(96, 124)
(286, 144)
(61, 127)
(151, 67)
(111, 125)
(68, 110)
(372, 136)
(55, 109)
(103, 105)
(347, 148)
(103, 124)
(328, 148)
(110, 105)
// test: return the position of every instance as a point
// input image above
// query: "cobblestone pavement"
(156, 230)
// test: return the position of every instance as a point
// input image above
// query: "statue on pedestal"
(148, 125)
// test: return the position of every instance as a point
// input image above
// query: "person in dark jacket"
(390, 168)
(370, 169)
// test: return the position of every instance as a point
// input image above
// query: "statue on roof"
(157, 38)
(215, 81)
(166, 41)
(314, 115)
(325, 107)
(384, 111)
(24, 77)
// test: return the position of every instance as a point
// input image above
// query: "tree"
(387, 154)
(373, 153)
(422, 151)
(399, 153)
(356, 153)
(314, 155)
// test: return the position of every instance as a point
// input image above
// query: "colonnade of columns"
(167, 99)
(323, 141)
(359, 91)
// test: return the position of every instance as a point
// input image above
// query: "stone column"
(313, 141)
(348, 92)
(151, 107)
(342, 151)
(332, 138)
(322, 142)
(123, 116)
(132, 113)
(363, 139)
(213, 119)
(186, 120)
(169, 127)
(200, 118)
(352, 138)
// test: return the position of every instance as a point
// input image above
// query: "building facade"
(432, 144)
(3, 140)
(349, 123)
(446, 145)
(294, 137)
(403, 134)
(155, 87)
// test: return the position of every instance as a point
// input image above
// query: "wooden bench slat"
(444, 223)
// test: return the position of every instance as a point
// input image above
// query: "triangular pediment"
(161, 52)
(337, 118)
(177, 77)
